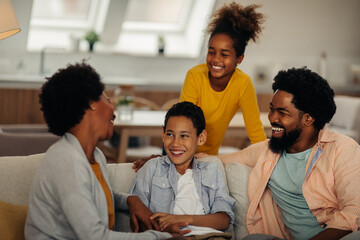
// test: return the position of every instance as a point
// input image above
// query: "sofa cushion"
(16, 175)
(12, 221)
(121, 176)
(347, 108)
(237, 173)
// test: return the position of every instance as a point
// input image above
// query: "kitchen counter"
(32, 81)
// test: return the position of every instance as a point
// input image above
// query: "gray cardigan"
(67, 201)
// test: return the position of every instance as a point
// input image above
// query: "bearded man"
(305, 182)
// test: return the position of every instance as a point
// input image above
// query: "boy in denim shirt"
(180, 189)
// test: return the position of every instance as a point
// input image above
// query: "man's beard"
(278, 145)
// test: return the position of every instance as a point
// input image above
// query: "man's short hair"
(311, 93)
(190, 111)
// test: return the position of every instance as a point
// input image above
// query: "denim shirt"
(156, 185)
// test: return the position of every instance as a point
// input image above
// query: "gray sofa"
(25, 139)
(16, 173)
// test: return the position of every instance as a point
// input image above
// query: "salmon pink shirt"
(331, 187)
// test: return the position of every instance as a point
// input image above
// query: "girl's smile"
(221, 60)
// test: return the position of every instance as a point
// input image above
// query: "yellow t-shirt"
(97, 171)
(220, 107)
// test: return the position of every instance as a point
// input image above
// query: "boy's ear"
(163, 134)
(202, 138)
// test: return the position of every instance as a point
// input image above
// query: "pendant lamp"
(8, 22)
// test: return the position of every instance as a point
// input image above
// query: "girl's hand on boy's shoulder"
(165, 220)
(137, 164)
(201, 155)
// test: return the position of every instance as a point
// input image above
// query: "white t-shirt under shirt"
(188, 202)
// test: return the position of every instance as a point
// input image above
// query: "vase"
(91, 47)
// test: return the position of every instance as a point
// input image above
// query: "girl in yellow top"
(217, 86)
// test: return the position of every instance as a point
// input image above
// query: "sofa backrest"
(347, 117)
(237, 175)
(17, 172)
(16, 176)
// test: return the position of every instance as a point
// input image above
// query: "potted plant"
(92, 37)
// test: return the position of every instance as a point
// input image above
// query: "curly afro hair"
(311, 93)
(240, 23)
(67, 94)
(190, 111)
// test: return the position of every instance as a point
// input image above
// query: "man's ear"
(202, 138)
(308, 119)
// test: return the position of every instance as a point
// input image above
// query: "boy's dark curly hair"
(311, 93)
(67, 94)
(240, 23)
(190, 111)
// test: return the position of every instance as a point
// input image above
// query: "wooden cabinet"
(21, 106)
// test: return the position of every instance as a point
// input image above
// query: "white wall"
(296, 33)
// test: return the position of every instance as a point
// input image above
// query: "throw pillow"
(12, 221)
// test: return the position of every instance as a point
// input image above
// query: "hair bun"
(233, 18)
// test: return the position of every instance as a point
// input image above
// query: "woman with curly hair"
(218, 86)
(71, 197)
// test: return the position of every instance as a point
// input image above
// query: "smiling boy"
(178, 187)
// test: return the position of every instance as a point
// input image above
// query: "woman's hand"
(140, 215)
(165, 220)
(137, 164)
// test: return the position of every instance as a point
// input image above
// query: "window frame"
(184, 39)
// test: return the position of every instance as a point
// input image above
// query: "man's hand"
(140, 215)
(137, 164)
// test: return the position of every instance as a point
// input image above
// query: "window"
(156, 11)
(58, 12)
(124, 26)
